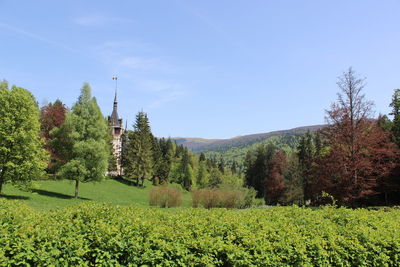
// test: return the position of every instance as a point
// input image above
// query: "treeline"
(162, 161)
(353, 161)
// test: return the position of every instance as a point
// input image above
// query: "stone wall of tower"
(117, 147)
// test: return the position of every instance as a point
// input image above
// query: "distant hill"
(198, 145)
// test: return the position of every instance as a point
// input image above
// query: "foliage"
(22, 157)
(102, 235)
(223, 198)
(165, 197)
(86, 140)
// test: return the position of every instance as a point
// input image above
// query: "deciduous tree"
(85, 139)
(22, 156)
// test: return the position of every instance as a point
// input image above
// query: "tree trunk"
(76, 188)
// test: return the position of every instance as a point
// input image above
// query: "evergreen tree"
(305, 152)
(86, 141)
(221, 165)
(162, 161)
(138, 162)
(202, 157)
(234, 167)
(395, 105)
(22, 157)
(186, 171)
(293, 181)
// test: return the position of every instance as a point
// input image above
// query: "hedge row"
(105, 235)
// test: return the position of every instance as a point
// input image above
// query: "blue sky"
(212, 69)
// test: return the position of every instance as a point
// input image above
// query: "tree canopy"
(22, 156)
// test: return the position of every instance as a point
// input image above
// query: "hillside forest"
(353, 160)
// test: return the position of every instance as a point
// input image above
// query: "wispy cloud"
(166, 93)
(99, 20)
(140, 65)
(37, 37)
(131, 56)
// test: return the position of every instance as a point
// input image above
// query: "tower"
(115, 124)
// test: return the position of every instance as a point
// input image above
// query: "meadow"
(54, 194)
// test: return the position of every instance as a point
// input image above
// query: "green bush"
(93, 234)
(165, 197)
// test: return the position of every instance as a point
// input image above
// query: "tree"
(305, 152)
(85, 140)
(22, 157)
(162, 161)
(52, 116)
(293, 181)
(186, 171)
(215, 178)
(138, 162)
(273, 182)
(395, 105)
(202, 175)
(360, 152)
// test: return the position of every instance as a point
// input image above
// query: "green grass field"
(52, 194)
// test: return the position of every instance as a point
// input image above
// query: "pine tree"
(84, 137)
(138, 162)
(305, 152)
(186, 171)
(22, 157)
(234, 167)
(395, 105)
(202, 157)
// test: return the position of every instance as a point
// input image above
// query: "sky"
(211, 69)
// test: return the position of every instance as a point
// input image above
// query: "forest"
(354, 160)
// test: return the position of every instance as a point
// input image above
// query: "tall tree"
(274, 179)
(395, 105)
(305, 152)
(139, 161)
(52, 116)
(186, 171)
(360, 151)
(85, 139)
(22, 157)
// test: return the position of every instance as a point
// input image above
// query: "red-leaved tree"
(51, 116)
(274, 185)
(360, 152)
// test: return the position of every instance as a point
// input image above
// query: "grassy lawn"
(57, 194)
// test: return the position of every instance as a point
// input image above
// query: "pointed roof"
(114, 118)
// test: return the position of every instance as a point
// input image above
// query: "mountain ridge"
(197, 144)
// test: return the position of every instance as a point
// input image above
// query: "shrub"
(165, 197)
(93, 234)
(223, 198)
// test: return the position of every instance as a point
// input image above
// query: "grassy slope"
(57, 194)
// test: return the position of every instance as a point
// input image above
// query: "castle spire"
(114, 114)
